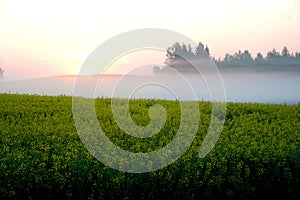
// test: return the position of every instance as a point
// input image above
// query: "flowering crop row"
(257, 154)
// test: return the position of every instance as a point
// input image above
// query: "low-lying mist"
(240, 86)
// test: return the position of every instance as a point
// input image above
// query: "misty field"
(42, 156)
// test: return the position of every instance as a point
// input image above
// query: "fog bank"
(262, 87)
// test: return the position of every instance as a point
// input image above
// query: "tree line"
(273, 57)
(178, 54)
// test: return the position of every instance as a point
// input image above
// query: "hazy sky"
(47, 38)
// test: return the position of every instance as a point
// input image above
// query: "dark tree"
(238, 56)
(228, 58)
(1, 73)
(271, 55)
(171, 53)
(190, 49)
(246, 57)
(259, 59)
(201, 52)
(177, 52)
(207, 50)
(259, 56)
(285, 53)
(178, 56)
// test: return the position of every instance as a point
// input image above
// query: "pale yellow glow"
(63, 33)
(133, 63)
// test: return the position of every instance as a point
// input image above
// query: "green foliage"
(257, 155)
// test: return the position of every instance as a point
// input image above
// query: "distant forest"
(177, 53)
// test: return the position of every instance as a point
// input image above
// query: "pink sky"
(48, 38)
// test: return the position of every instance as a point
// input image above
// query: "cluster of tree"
(179, 54)
(274, 58)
